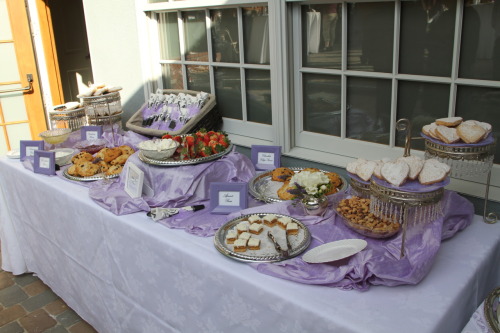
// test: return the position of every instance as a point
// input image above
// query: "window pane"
(370, 36)
(321, 36)
(369, 109)
(322, 104)
(478, 103)
(169, 36)
(480, 49)
(256, 35)
(427, 35)
(198, 78)
(172, 76)
(421, 103)
(258, 89)
(228, 92)
(195, 35)
(225, 42)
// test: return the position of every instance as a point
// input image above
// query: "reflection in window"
(321, 35)
(198, 78)
(258, 87)
(368, 112)
(169, 36)
(479, 103)
(370, 36)
(225, 40)
(322, 113)
(427, 36)
(228, 92)
(421, 103)
(256, 35)
(195, 36)
(172, 76)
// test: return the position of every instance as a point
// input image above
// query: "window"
(327, 80)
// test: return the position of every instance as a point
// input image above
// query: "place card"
(28, 148)
(91, 132)
(266, 157)
(45, 162)
(134, 180)
(226, 198)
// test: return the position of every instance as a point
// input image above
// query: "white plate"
(14, 153)
(334, 251)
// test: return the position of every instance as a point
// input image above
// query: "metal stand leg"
(405, 223)
(492, 217)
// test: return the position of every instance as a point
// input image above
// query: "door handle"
(29, 77)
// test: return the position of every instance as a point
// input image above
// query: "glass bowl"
(91, 146)
(64, 155)
(159, 154)
(56, 135)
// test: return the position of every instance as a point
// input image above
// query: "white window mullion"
(395, 71)
(343, 77)
(456, 58)
(208, 23)
(182, 47)
(297, 71)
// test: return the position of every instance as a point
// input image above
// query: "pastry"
(73, 170)
(292, 228)
(114, 170)
(335, 180)
(449, 122)
(104, 166)
(433, 172)
(244, 235)
(283, 221)
(256, 228)
(470, 132)
(111, 153)
(448, 134)
(127, 149)
(122, 159)
(415, 163)
(100, 153)
(240, 245)
(430, 130)
(88, 169)
(231, 236)
(365, 170)
(311, 170)
(254, 219)
(283, 191)
(395, 172)
(253, 244)
(82, 156)
(242, 227)
(281, 174)
(270, 220)
(351, 166)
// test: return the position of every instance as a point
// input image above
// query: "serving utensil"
(283, 253)
(159, 213)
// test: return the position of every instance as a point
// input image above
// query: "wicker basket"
(208, 117)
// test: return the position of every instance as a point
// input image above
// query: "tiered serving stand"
(465, 161)
(73, 119)
(103, 110)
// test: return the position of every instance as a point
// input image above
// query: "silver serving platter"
(99, 176)
(267, 252)
(492, 310)
(263, 188)
(171, 162)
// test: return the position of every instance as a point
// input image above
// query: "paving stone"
(12, 295)
(56, 329)
(38, 321)
(40, 300)
(10, 314)
(25, 279)
(81, 327)
(68, 318)
(35, 288)
(6, 280)
(12, 328)
(56, 307)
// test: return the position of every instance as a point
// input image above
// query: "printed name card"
(134, 181)
(45, 162)
(91, 132)
(226, 198)
(28, 148)
(266, 157)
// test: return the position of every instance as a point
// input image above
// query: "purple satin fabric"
(379, 263)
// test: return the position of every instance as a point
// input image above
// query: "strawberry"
(201, 132)
(167, 136)
(204, 151)
(223, 141)
(206, 138)
(189, 140)
(177, 138)
(215, 146)
(193, 151)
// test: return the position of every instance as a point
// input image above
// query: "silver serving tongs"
(282, 253)
(159, 213)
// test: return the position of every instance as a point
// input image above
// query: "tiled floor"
(28, 305)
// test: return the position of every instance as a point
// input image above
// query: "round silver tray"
(99, 176)
(267, 253)
(170, 162)
(492, 310)
(263, 188)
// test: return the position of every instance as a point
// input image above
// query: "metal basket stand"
(466, 161)
(402, 206)
(359, 189)
(103, 109)
(73, 119)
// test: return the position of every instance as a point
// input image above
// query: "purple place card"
(28, 148)
(226, 198)
(266, 157)
(91, 132)
(45, 162)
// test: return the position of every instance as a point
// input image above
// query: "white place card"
(134, 180)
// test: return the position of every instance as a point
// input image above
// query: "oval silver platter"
(263, 188)
(492, 310)
(171, 162)
(88, 179)
(267, 252)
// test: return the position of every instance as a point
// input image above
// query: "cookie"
(449, 121)
(73, 170)
(88, 169)
(282, 174)
(104, 166)
(82, 156)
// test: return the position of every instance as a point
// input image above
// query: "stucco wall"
(113, 37)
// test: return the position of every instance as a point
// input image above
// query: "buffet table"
(129, 274)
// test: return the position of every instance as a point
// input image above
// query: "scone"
(104, 166)
(283, 193)
(281, 174)
(127, 149)
(111, 153)
(311, 170)
(73, 170)
(88, 169)
(122, 159)
(82, 156)
(114, 169)
(100, 153)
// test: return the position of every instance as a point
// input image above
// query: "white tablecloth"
(128, 274)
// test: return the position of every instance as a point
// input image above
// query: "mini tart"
(253, 244)
(254, 219)
(242, 227)
(256, 228)
(283, 221)
(292, 228)
(240, 245)
(270, 220)
(231, 236)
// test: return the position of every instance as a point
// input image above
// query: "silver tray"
(171, 162)
(492, 310)
(267, 252)
(263, 188)
(99, 176)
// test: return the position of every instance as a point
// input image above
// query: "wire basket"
(73, 119)
(359, 187)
